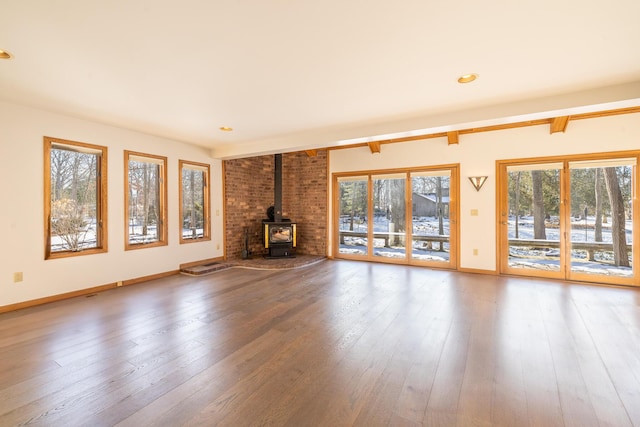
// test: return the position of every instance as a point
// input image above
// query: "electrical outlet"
(218, 246)
(17, 277)
(475, 252)
(474, 212)
(217, 212)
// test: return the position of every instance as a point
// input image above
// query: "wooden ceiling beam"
(374, 147)
(453, 137)
(311, 153)
(559, 124)
(492, 128)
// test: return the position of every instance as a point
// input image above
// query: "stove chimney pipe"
(277, 202)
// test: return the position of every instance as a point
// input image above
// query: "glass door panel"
(601, 218)
(390, 217)
(430, 212)
(353, 216)
(534, 220)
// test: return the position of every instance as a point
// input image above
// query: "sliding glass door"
(531, 220)
(390, 216)
(353, 215)
(601, 218)
(399, 217)
(433, 220)
(570, 219)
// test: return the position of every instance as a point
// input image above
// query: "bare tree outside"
(539, 229)
(397, 203)
(618, 232)
(598, 208)
(440, 208)
(516, 204)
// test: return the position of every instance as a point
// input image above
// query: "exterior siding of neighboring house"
(426, 204)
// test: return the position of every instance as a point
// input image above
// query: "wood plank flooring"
(338, 343)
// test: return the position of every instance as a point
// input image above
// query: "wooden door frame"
(454, 214)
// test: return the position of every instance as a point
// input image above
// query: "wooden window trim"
(102, 231)
(163, 228)
(207, 196)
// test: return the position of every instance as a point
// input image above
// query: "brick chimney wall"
(249, 191)
(304, 197)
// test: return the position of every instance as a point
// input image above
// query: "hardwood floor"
(338, 343)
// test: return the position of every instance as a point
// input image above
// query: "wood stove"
(279, 238)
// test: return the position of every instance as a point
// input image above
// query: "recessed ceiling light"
(226, 129)
(467, 78)
(5, 55)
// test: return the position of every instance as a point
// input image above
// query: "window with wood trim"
(194, 201)
(75, 198)
(145, 200)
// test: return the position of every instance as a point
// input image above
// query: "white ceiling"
(290, 75)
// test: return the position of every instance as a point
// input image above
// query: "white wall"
(21, 207)
(477, 154)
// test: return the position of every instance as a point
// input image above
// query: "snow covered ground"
(549, 258)
(422, 226)
(581, 230)
(519, 256)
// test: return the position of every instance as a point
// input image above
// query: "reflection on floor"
(258, 262)
(276, 263)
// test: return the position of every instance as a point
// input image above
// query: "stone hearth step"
(200, 270)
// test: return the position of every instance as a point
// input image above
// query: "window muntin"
(194, 202)
(145, 200)
(75, 198)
